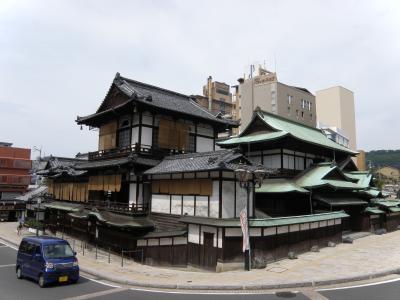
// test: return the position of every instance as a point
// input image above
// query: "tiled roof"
(115, 162)
(160, 98)
(202, 161)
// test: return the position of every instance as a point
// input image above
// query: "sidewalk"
(369, 257)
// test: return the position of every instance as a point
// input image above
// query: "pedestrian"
(19, 228)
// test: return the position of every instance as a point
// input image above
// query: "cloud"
(58, 58)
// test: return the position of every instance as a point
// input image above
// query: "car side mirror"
(74, 253)
(38, 256)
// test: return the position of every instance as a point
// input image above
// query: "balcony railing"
(19, 180)
(139, 149)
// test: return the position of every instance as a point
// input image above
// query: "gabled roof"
(153, 97)
(282, 127)
(363, 178)
(201, 161)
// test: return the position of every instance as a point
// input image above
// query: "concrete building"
(335, 109)
(216, 98)
(264, 91)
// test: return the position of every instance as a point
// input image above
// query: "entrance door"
(210, 252)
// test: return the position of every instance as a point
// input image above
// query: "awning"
(280, 186)
(373, 210)
(339, 201)
(71, 207)
(122, 221)
(263, 223)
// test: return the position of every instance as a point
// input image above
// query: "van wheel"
(41, 281)
(19, 273)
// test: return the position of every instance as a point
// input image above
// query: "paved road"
(89, 288)
(13, 289)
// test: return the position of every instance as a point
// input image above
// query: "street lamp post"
(37, 216)
(248, 179)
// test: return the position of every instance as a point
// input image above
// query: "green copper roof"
(373, 192)
(285, 127)
(280, 186)
(262, 137)
(269, 222)
(394, 209)
(386, 203)
(317, 176)
(373, 210)
(335, 200)
(363, 178)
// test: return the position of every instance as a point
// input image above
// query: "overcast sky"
(58, 58)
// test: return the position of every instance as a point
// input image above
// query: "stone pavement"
(369, 257)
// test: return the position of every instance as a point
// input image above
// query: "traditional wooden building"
(161, 183)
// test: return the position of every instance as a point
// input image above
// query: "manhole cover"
(285, 294)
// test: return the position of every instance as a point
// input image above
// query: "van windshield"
(58, 251)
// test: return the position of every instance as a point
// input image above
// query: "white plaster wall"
(193, 234)
(272, 161)
(241, 199)
(214, 200)
(233, 232)
(202, 206)
(132, 194)
(228, 199)
(147, 136)
(204, 144)
(188, 205)
(176, 204)
(165, 241)
(153, 242)
(140, 194)
(219, 242)
(135, 135)
(141, 243)
(180, 240)
(147, 119)
(160, 203)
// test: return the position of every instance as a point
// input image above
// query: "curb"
(140, 284)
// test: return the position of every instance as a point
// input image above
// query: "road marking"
(97, 294)
(360, 285)
(3, 246)
(6, 266)
(199, 292)
(313, 295)
(102, 282)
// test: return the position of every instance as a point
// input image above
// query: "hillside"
(380, 158)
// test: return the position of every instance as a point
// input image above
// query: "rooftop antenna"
(275, 61)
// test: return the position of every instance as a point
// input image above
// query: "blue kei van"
(47, 260)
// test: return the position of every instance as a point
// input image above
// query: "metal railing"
(103, 253)
(139, 149)
(116, 206)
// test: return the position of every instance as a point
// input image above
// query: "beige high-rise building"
(264, 91)
(335, 109)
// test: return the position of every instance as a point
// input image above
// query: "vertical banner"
(243, 224)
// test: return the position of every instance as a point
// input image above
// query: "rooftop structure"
(265, 91)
